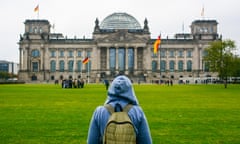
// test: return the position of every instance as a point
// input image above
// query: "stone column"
(135, 58)
(42, 60)
(126, 59)
(57, 59)
(20, 58)
(185, 59)
(74, 62)
(117, 59)
(107, 59)
(28, 61)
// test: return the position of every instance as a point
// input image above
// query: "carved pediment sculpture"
(121, 36)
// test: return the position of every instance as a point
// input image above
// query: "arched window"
(180, 66)
(70, 66)
(88, 66)
(189, 66)
(79, 66)
(40, 30)
(61, 66)
(162, 65)
(206, 66)
(35, 30)
(35, 53)
(53, 66)
(171, 66)
(154, 66)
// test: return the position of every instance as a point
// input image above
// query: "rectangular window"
(112, 59)
(163, 53)
(70, 53)
(171, 54)
(154, 55)
(180, 53)
(121, 59)
(79, 54)
(89, 54)
(130, 60)
(189, 53)
(61, 54)
(53, 53)
(4, 67)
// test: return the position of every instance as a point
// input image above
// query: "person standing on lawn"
(120, 94)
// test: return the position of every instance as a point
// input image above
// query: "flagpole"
(81, 70)
(160, 59)
(36, 9)
(73, 70)
(88, 72)
(202, 12)
(38, 14)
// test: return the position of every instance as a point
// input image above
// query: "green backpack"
(119, 128)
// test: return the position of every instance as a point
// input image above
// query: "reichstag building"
(119, 45)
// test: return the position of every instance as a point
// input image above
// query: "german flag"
(86, 60)
(156, 45)
(36, 9)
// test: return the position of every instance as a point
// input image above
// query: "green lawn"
(45, 113)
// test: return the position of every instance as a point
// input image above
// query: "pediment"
(122, 36)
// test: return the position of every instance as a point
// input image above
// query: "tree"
(6, 75)
(220, 58)
(236, 72)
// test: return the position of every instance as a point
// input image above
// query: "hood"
(121, 90)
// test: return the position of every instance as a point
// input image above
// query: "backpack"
(119, 128)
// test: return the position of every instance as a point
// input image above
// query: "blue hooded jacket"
(120, 93)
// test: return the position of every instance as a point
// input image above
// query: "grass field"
(192, 114)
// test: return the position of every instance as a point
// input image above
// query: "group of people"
(76, 83)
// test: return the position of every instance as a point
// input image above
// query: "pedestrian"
(106, 82)
(120, 94)
(82, 83)
(171, 82)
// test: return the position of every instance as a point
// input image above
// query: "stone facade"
(46, 56)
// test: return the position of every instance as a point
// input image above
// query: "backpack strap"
(127, 107)
(109, 108)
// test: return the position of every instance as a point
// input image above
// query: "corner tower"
(204, 29)
(36, 29)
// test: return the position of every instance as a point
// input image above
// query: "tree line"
(220, 57)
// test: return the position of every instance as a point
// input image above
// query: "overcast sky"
(77, 17)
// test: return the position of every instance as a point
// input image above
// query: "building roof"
(4, 61)
(120, 21)
(28, 21)
(204, 21)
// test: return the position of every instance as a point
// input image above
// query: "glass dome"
(120, 21)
